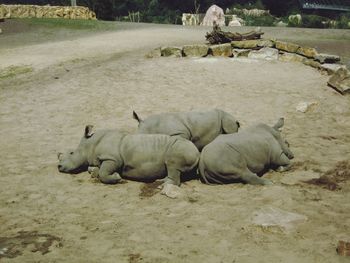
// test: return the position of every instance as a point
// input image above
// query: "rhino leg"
(107, 174)
(252, 178)
(283, 163)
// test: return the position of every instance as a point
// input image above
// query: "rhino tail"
(136, 117)
(238, 124)
(279, 124)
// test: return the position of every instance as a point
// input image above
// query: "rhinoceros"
(199, 127)
(239, 157)
(140, 157)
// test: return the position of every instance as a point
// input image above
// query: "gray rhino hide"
(199, 127)
(141, 157)
(241, 156)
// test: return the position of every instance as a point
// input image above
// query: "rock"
(195, 50)
(327, 58)
(290, 57)
(241, 52)
(340, 81)
(245, 44)
(295, 20)
(236, 21)
(155, 53)
(224, 50)
(170, 190)
(252, 43)
(214, 14)
(171, 52)
(264, 53)
(190, 19)
(266, 43)
(343, 248)
(35, 11)
(281, 24)
(311, 63)
(332, 68)
(305, 106)
(286, 46)
(308, 52)
(275, 217)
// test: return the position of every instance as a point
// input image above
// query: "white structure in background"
(295, 18)
(190, 19)
(214, 14)
(236, 21)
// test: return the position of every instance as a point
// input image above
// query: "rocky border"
(46, 11)
(267, 49)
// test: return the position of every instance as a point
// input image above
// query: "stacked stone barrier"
(37, 11)
(270, 50)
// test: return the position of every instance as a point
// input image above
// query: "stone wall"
(36, 11)
(267, 49)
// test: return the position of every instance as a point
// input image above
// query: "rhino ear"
(88, 131)
(136, 117)
(59, 155)
(279, 124)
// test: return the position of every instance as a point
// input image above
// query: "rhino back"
(204, 126)
(255, 146)
(165, 123)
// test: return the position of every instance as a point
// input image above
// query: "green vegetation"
(12, 71)
(170, 12)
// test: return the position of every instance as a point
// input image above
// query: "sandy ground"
(99, 78)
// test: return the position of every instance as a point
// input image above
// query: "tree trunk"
(217, 36)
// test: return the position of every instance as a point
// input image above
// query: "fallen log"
(217, 36)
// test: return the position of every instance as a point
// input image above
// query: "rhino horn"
(279, 124)
(136, 117)
(89, 131)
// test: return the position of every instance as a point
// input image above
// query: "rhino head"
(284, 144)
(76, 161)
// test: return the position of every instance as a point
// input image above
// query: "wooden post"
(73, 2)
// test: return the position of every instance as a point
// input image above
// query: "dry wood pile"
(217, 36)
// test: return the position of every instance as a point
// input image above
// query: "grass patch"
(12, 71)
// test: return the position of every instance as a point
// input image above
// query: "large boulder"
(332, 68)
(286, 46)
(327, 58)
(241, 52)
(171, 51)
(295, 20)
(190, 19)
(256, 43)
(308, 52)
(312, 63)
(236, 21)
(195, 50)
(213, 15)
(340, 81)
(223, 50)
(290, 57)
(264, 53)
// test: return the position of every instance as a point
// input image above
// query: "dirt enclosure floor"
(99, 78)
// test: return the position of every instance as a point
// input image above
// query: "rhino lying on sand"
(140, 157)
(240, 156)
(199, 127)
